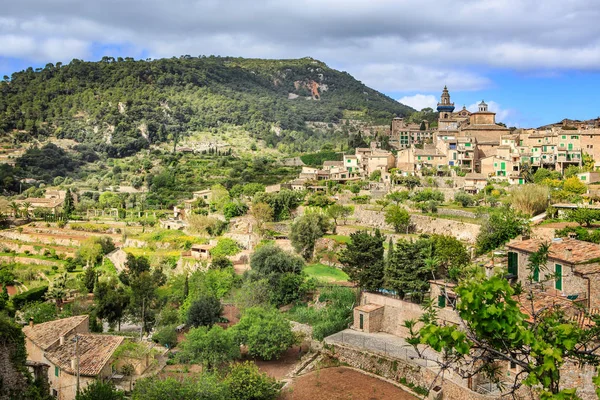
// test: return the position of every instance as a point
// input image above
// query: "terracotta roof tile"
(94, 352)
(572, 251)
(47, 334)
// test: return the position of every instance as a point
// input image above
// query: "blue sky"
(533, 62)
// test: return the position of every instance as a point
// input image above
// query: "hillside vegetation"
(118, 107)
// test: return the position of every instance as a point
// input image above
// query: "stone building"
(67, 347)
(572, 272)
(404, 135)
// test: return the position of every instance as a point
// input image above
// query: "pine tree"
(363, 259)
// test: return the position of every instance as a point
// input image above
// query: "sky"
(534, 62)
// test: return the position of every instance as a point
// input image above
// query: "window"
(56, 371)
(503, 166)
(442, 300)
(513, 263)
(564, 137)
(361, 321)
(558, 277)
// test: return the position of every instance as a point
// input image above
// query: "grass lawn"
(339, 238)
(326, 273)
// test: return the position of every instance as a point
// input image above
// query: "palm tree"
(26, 206)
(15, 207)
(58, 289)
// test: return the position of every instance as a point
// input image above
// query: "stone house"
(202, 194)
(67, 347)
(201, 251)
(474, 182)
(572, 270)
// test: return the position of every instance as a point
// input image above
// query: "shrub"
(364, 199)
(35, 294)
(246, 382)
(204, 312)
(166, 336)
(266, 333)
(225, 247)
(464, 199)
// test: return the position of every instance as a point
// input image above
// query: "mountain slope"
(120, 106)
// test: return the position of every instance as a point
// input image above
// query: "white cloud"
(420, 101)
(390, 45)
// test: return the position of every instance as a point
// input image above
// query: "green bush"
(246, 382)
(166, 336)
(35, 294)
(225, 247)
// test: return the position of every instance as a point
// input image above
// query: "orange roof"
(47, 334)
(94, 352)
(572, 251)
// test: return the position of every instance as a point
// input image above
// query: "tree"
(574, 185)
(16, 208)
(100, 390)
(363, 259)
(407, 272)
(464, 199)
(210, 347)
(451, 254)
(205, 311)
(398, 217)
(337, 211)
(398, 197)
(499, 327)
(246, 382)
(90, 277)
(220, 262)
(265, 331)
(305, 232)
(69, 204)
(26, 206)
(111, 302)
(143, 294)
(272, 259)
(90, 251)
(58, 289)
(204, 386)
(39, 311)
(501, 226)
(583, 216)
(262, 213)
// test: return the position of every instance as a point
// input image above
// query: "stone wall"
(398, 370)
(456, 213)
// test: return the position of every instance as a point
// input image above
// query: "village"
(441, 184)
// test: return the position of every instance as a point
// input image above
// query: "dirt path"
(342, 383)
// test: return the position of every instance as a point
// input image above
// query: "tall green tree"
(306, 231)
(211, 347)
(265, 331)
(363, 259)
(407, 272)
(100, 390)
(398, 217)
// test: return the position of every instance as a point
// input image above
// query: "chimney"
(73, 364)
(569, 253)
(572, 235)
(61, 340)
(31, 322)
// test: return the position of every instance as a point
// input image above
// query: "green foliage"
(306, 230)
(39, 312)
(208, 346)
(31, 295)
(464, 199)
(272, 259)
(111, 301)
(334, 317)
(246, 382)
(234, 209)
(319, 200)
(220, 262)
(542, 174)
(202, 387)
(530, 199)
(501, 226)
(398, 196)
(364, 199)
(166, 336)
(574, 185)
(398, 217)
(225, 247)
(581, 233)
(205, 311)
(282, 203)
(407, 272)
(338, 211)
(317, 159)
(100, 390)
(427, 195)
(583, 216)
(363, 259)
(265, 331)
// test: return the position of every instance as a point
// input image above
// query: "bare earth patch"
(342, 384)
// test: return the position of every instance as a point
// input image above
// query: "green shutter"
(536, 274)
(441, 301)
(503, 166)
(56, 371)
(513, 261)
(570, 146)
(558, 277)
(361, 321)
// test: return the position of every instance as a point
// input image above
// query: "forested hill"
(119, 106)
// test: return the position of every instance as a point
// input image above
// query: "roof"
(475, 176)
(572, 251)
(202, 191)
(333, 163)
(484, 127)
(46, 334)
(368, 307)
(94, 352)
(428, 152)
(202, 246)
